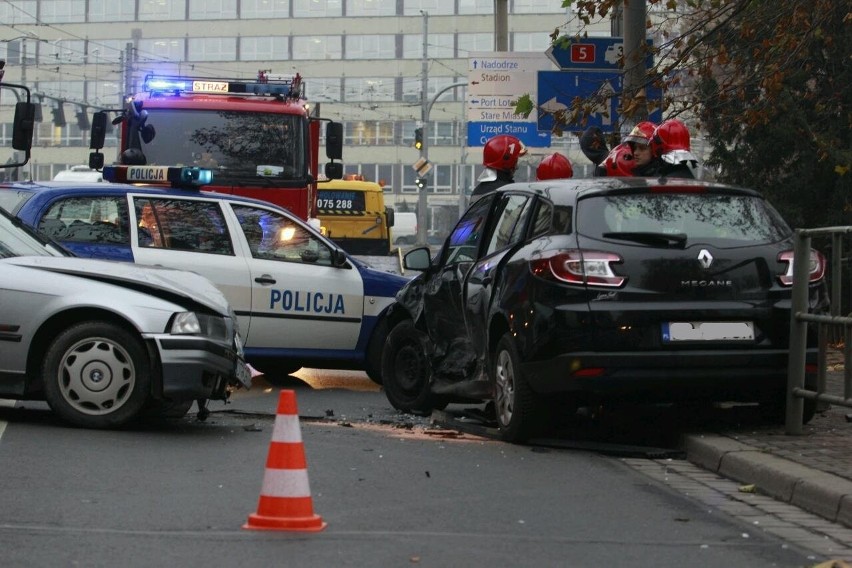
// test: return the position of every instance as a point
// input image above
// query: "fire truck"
(259, 138)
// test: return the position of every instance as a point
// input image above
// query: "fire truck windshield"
(235, 145)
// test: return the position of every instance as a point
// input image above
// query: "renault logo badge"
(705, 258)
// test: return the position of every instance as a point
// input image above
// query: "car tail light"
(816, 272)
(585, 267)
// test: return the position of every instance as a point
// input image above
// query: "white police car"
(301, 301)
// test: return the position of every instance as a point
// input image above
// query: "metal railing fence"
(828, 326)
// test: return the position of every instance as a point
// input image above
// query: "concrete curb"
(823, 494)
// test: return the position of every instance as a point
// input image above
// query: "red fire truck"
(259, 138)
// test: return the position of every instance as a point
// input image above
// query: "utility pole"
(634, 59)
(422, 196)
(23, 61)
(501, 25)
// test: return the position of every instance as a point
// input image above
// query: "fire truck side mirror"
(334, 170)
(334, 142)
(98, 133)
(96, 161)
(22, 129)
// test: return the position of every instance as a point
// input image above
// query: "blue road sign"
(479, 132)
(591, 53)
(558, 89)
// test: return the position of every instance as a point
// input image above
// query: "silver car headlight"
(185, 323)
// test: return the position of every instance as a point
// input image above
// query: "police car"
(301, 301)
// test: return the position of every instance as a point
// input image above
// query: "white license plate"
(243, 373)
(708, 331)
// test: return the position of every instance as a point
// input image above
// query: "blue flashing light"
(196, 176)
(158, 84)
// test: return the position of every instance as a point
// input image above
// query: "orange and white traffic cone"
(285, 499)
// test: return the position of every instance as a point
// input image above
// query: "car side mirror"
(418, 259)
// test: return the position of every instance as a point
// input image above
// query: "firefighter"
(670, 145)
(500, 158)
(639, 140)
(619, 162)
(554, 166)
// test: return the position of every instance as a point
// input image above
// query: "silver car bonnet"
(154, 279)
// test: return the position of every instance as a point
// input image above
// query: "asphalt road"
(393, 490)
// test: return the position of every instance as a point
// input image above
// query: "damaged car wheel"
(521, 413)
(406, 370)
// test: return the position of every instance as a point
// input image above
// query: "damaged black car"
(552, 295)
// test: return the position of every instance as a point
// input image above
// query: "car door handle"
(265, 279)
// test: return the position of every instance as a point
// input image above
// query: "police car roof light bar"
(289, 87)
(185, 178)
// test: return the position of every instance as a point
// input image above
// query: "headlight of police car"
(185, 323)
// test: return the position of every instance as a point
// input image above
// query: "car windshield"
(16, 240)
(11, 200)
(681, 216)
(233, 144)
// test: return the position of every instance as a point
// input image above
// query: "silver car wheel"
(504, 397)
(96, 376)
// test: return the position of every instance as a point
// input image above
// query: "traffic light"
(83, 118)
(418, 138)
(58, 114)
(420, 182)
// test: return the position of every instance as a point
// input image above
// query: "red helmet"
(554, 166)
(641, 133)
(502, 152)
(620, 162)
(671, 142)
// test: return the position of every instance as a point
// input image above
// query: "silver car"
(106, 342)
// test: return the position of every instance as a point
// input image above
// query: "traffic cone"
(285, 499)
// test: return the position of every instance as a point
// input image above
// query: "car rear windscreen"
(735, 218)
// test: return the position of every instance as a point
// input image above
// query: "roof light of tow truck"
(177, 177)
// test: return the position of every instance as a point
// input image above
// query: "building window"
(212, 49)
(264, 48)
(371, 8)
(150, 10)
(368, 133)
(483, 7)
(104, 93)
(525, 41)
(251, 9)
(63, 11)
(370, 47)
(112, 10)
(314, 9)
(161, 49)
(368, 90)
(323, 89)
(442, 175)
(537, 7)
(212, 9)
(317, 47)
(18, 12)
(476, 42)
(431, 7)
(438, 46)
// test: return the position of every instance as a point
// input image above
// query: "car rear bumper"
(196, 367)
(667, 374)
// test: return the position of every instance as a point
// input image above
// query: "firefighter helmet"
(620, 162)
(502, 152)
(671, 142)
(554, 166)
(641, 133)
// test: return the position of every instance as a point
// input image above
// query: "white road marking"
(9, 404)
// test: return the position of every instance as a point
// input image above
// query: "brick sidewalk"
(826, 443)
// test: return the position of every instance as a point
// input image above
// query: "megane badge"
(705, 258)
